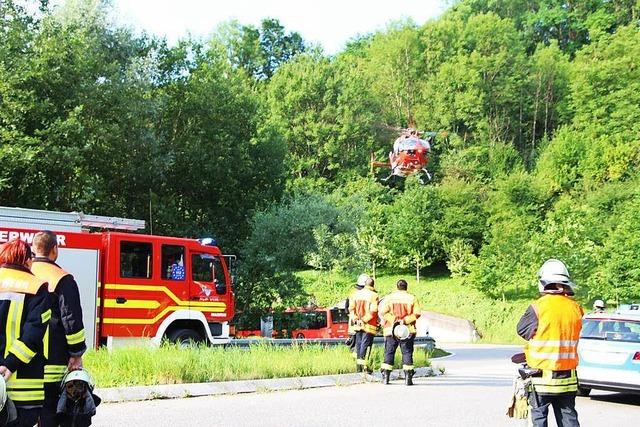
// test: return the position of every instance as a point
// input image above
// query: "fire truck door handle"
(121, 300)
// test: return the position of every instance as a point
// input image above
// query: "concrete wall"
(445, 328)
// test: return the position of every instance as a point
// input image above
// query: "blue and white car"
(609, 351)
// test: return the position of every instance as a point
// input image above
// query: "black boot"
(408, 377)
(386, 376)
(359, 368)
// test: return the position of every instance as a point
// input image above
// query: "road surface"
(474, 391)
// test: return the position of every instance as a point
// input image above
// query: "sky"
(330, 23)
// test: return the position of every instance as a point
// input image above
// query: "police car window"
(611, 330)
(136, 260)
(172, 267)
(202, 267)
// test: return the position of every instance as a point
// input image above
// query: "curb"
(179, 391)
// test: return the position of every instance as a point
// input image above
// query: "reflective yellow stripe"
(167, 291)
(54, 368)
(76, 338)
(26, 396)
(129, 321)
(45, 341)
(46, 316)
(386, 366)
(147, 304)
(547, 384)
(21, 351)
(407, 367)
(24, 383)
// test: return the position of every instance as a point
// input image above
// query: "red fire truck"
(295, 323)
(134, 287)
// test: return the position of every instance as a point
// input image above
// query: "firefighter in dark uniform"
(551, 326)
(24, 317)
(399, 307)
(65, 341)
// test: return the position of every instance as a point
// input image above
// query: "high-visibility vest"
(554, 347)
(49, 272)
(365, 309)
(400, 306)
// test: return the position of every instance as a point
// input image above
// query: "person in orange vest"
(353, 326)
(551, 326)
(399, 308)
(24, 316)
(65, 342)
(364, 310)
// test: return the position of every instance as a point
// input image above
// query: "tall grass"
(170, 364)
(495, 319)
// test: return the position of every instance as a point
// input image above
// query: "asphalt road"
(474, 391)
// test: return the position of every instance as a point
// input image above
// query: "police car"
(609, 350)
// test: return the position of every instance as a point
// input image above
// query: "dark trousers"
(26, 417)
(51, 397)
(406, 347)
(364, 341)
(564, 408)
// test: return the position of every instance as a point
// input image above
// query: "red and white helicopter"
(410, 155)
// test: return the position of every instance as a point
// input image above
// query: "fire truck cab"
(136, 288)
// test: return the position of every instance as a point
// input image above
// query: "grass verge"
(170, 364)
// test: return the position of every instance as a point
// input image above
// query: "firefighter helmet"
(598, 304)
(78, 375)
(3, 392)
(401, 331)
(554, 272)
(362, 281)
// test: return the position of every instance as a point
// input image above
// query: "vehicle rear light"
(636, 357)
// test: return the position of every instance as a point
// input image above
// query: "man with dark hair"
(399, 311)
(66, 342)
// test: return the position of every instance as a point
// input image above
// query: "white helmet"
(554, 272)
(598, 304)
(78, 375)
(362, 280)
(401, 331)
(3, 392)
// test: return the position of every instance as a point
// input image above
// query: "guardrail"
(426, 342)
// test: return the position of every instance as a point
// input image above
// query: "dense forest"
(264, 141)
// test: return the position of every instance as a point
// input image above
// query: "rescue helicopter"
(410, 155)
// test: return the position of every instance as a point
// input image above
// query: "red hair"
(15, 252)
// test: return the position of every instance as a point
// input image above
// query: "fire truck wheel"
(300, 336)
(184, 337)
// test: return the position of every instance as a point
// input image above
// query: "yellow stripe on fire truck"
(167, 291)
(123, 321)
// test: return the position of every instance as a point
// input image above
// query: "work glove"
(521, 408)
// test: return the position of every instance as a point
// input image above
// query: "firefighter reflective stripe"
(361, 362)
(76, 338)
(554, 346)
(26, 396)
(408, 367)
(13, 324)
(46, 316)
(45, 342)
(54, 373)
(21, 351)
(25, 390)
(553, 382)
(386, 366)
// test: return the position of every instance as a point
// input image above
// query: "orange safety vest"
(400, 306)
(49, 272)
(554, 346)
(365, 308)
